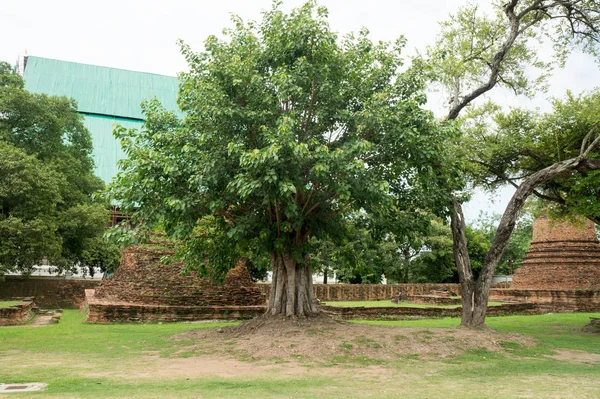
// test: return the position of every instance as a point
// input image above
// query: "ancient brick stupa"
(145, 289)
(562, 256)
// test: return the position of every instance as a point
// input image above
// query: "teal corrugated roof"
(105, 96)
(100, 90)
(107, 149)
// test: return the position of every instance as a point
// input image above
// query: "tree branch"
(584, 151)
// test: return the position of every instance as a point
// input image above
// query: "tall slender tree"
(475, 54)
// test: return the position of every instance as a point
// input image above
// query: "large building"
(105, 97)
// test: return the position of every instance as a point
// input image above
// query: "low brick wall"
(17, 314)
(48, 293)
(398, 313)
(432, 300)
(371, 292)
(105, 312)
(551, 300)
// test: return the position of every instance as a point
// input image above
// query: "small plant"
(509, 345)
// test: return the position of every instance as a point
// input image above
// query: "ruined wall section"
(143, 278)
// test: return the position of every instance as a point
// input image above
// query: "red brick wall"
(48, 293)
(546, 230)
(371, 292)
(142, 278)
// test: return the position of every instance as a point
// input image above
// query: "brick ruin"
(17, 314)
(145, 289)
(48, 293)
(562, 256)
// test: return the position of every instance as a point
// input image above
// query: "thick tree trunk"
(292, 288)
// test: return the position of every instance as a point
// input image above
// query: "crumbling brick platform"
(399, 313)
(551, 300)
(18, 314)
(144, 289)
(103, 312)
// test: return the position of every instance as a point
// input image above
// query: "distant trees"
(47, 183)
(362, 256)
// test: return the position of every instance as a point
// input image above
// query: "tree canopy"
(520, 142)
(288, 129)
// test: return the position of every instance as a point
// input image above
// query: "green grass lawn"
(7, 304)
(384, 304)
(78, 360)
(552, 331)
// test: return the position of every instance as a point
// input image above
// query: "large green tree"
(288, 129)
(47, 183)
(476, 53)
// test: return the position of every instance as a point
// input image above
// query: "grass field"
(6, 304)
(144, 361)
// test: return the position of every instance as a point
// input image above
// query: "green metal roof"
(100, 90)
(105, 96)
(107, 149)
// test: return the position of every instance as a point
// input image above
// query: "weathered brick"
(143, 279)
(562, 256)
(373, 292)
(17, 314)
(143, 289)
(48, 293)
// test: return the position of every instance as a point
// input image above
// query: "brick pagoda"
(562, 256)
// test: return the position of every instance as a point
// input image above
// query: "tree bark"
(475, 295)
(292, 288)
(406, 254)
(463, 263)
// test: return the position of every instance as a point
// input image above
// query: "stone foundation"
(551, 300)
(433, 300)
(398, 313)
(18, 314)
(103, 312)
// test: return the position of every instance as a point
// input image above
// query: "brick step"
(553, 261)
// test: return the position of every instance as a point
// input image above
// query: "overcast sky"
(141, 35)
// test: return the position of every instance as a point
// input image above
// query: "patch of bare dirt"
(575, 356)
(325, 339)
(201, 366)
